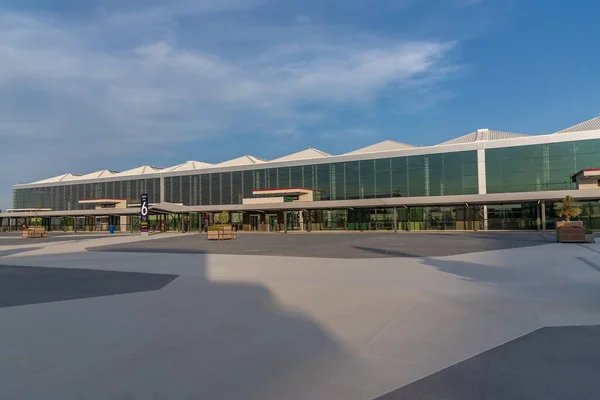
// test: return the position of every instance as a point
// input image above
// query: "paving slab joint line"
(468, 358)
(589, 263)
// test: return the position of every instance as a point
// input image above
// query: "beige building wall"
(588, 182)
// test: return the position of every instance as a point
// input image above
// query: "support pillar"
(408, 219)
(538, 221)
(131, 223)
(395, 220)
(74, 224)
(543, 216)
(485, 218)
(285, 221)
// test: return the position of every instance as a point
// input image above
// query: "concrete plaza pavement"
(341, 245)
(273, 327)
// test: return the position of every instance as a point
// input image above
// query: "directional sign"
(144, 225)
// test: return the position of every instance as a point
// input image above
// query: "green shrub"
(225, 218)
(216, 227)
(588, 231)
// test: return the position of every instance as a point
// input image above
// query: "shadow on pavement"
(472, 271)
(17, 251)
(385, 252)
(192, 339)
(549, 364)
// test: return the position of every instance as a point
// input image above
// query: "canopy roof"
(480, 135)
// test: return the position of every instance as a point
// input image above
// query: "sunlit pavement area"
(426, 316)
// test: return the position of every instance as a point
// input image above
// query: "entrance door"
(273, 226)
(254, 222)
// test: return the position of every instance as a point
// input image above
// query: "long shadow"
(472, 271)
(534, 237)
(4, 253)
(386, 252)
(191, 339)
(552, 363)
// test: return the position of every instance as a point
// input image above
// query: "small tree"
(568, 208)
(225, 217)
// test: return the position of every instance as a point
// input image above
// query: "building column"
(161, 182)
(74, 224)
(543, 216)
(537, 216)
(395, 220)
(481, 172)
(485, 218)
(408, 219)
(285, 216)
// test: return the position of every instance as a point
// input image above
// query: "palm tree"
(568, 208)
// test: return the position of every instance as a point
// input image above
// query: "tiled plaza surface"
(518, 319)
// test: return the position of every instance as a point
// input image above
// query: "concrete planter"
(589, 238)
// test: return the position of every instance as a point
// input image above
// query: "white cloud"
(60, 82)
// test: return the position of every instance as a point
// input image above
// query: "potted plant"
(213, 232)
(589, 236)
(568, 208)
(223, 230)
(567, 230)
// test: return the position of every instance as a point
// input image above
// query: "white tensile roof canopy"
(386, 145)
(188, 166)
(311, 153)
(142, 170)
(60, 178)
(307, 154)
(484, 134)
(589, 125)
(244, 160)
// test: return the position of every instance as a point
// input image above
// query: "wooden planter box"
(35, 232)
(570, 232)
(223, 233)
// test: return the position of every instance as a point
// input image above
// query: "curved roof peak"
(482, 135)
(243, 160)
(60, 178)
(589, 125)
(188, 166)
(386, 145)
(305, 154)
(141, 170)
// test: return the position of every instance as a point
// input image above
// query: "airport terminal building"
(486, 179)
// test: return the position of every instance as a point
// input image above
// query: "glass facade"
(66, 197)
(428, 175)
(539, 167)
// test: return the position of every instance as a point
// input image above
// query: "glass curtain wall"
(539, 167)
(67, 197)
(428, 175)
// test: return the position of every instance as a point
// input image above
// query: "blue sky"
(89, 85)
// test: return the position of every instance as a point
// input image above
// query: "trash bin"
(111, 229)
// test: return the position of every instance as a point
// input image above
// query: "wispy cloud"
(126, 74)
